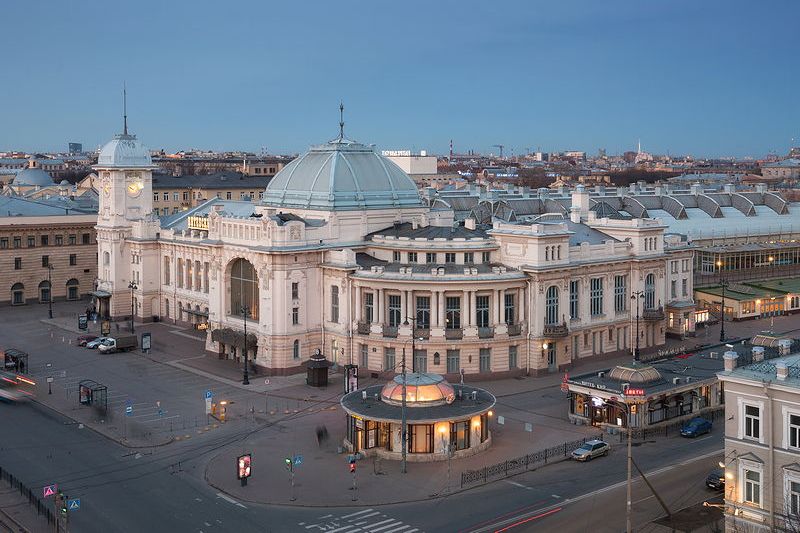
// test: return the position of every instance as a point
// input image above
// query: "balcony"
(390, 331)
(555, 330)
(422, 333)
(485, 333)
(514, 330)
(363, 328)
(453, 333)
(653, 315)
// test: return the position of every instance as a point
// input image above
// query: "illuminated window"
(244, 288)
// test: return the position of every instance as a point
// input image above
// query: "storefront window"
(421, 438)
(459, 435)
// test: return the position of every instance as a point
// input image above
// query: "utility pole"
(723, 283)
(132, 286)
(50, 288)
(636, 296)
(403, 436)
(245, 377)
(628, 527)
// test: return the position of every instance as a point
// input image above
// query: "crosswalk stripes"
(366, 521)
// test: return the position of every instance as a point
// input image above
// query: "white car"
(97, 342)
(590, 450)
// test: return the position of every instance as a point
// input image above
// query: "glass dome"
(422, 390)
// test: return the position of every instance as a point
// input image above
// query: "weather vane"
(341, 120)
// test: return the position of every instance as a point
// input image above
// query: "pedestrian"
(324, 433)
(319, 435)
(117, 325)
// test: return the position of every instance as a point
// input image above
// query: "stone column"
(521, 304)
(359, 307)
(466, 310)
(380, 305)
(403, 306)
(500, 306)
(440, 313)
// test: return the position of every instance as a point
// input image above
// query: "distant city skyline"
(709, 79)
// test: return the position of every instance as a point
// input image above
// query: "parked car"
(695, 427)
(83, 339)
(96, 342)
(716, 479)
(590, 450)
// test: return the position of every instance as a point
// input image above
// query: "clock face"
(135, 188)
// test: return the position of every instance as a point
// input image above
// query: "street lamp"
(245, 377)
(132, 286)
(722, 283)
(636, 295)
(413, 325)
(50, 289)
(404, 421)
(446, 449)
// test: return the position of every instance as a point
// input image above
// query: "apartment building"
(762, 441)
(173, 194)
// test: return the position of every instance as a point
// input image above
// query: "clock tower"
(125, 223)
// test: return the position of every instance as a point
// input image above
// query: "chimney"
(580, 199)
(782, 370)
(758, 353)
(784, 346)
(730, 358)
(575, 214)
(469, 223)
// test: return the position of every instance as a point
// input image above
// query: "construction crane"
(500, 146)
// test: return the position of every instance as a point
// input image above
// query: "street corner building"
(443, 420)
(343, 254)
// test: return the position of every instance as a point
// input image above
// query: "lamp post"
(545, 346)
(636, 296)
(403, 422)
(132, 286)
(413, 324)
(446, 449)
(722, 283)
(49, 288)
(245, 377)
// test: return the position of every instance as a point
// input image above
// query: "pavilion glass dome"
(422, 390)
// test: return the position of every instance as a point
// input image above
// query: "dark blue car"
(696, 427)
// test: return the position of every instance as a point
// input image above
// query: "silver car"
(97, 342)
(590, 450)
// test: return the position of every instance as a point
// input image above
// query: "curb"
(102, 434)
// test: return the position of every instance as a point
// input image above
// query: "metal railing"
(485, 333)
(453, 333)
(514, 329)
(555, 330)
(523, 463)
(670, 429)
(363, 328)
(43, 507)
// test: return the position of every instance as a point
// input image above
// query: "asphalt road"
(122, 491)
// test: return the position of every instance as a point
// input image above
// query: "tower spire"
(124, 109)
(341, 120)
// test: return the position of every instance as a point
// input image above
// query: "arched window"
(166, 308)
(18, 294)
(335, 304)
(650, 291)
(106, 258)
(73, 291)
(180, 311)
(296, 349)
(44, 292)
(244, 289)
(551, 306)
(166, 270)
(559, 251)
(547, 253)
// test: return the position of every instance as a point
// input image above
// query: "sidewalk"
(17, 515)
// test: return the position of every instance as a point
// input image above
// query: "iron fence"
(667, 430)
(43, 507)
(525, 462)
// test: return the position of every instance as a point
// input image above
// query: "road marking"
(535, 517)
(229, 499)
(365, 516)
(393, 524)
(379, 523)
(644, 499)
(520, 485)
(556, 496)
(401, 528)
(343, 529)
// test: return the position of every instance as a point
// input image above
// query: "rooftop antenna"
(341, 120)
(125, 108)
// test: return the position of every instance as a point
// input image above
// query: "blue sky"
(706, 78)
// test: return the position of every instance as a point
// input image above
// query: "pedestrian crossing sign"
(74, 505)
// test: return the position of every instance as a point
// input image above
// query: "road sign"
(298, 460)
(209, 395)
(49, 490)
(74, 505)
(501, 420)
(146, 342)
(83, 322)
(128, 407)
(528, 427)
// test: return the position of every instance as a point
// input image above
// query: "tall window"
(793, 503)
(459, 435)
(752, 487)
(295, 290)
(482, 311)
(650, 292)
(334, 303)
(395, 316)
(794, 431)
(574, 299)
(453, 361)
(18, 294)
(364, 356)
(453, 312)
(512, 358)
(469, 258)
(44, 291)
(244, 288)
(388, 359)
(752, 422)
(295, 316)
(620, 293)
(509, 311)
(551, 306)
(596, 296)
(673, 288)
(449, 257)
(684, 287)
(369, 307)
(72, 289)
(485, 360)
(296, 349)
(412, 257)
(179, 273)
(45, 260)
(166, 271)
(17, 263)
(430, 258)
(423, 312)
(420, 360)
(485, 257)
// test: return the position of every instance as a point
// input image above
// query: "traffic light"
(61, 503)
(288, 462)
(633, 409)
(352, 468)
(243, 463)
